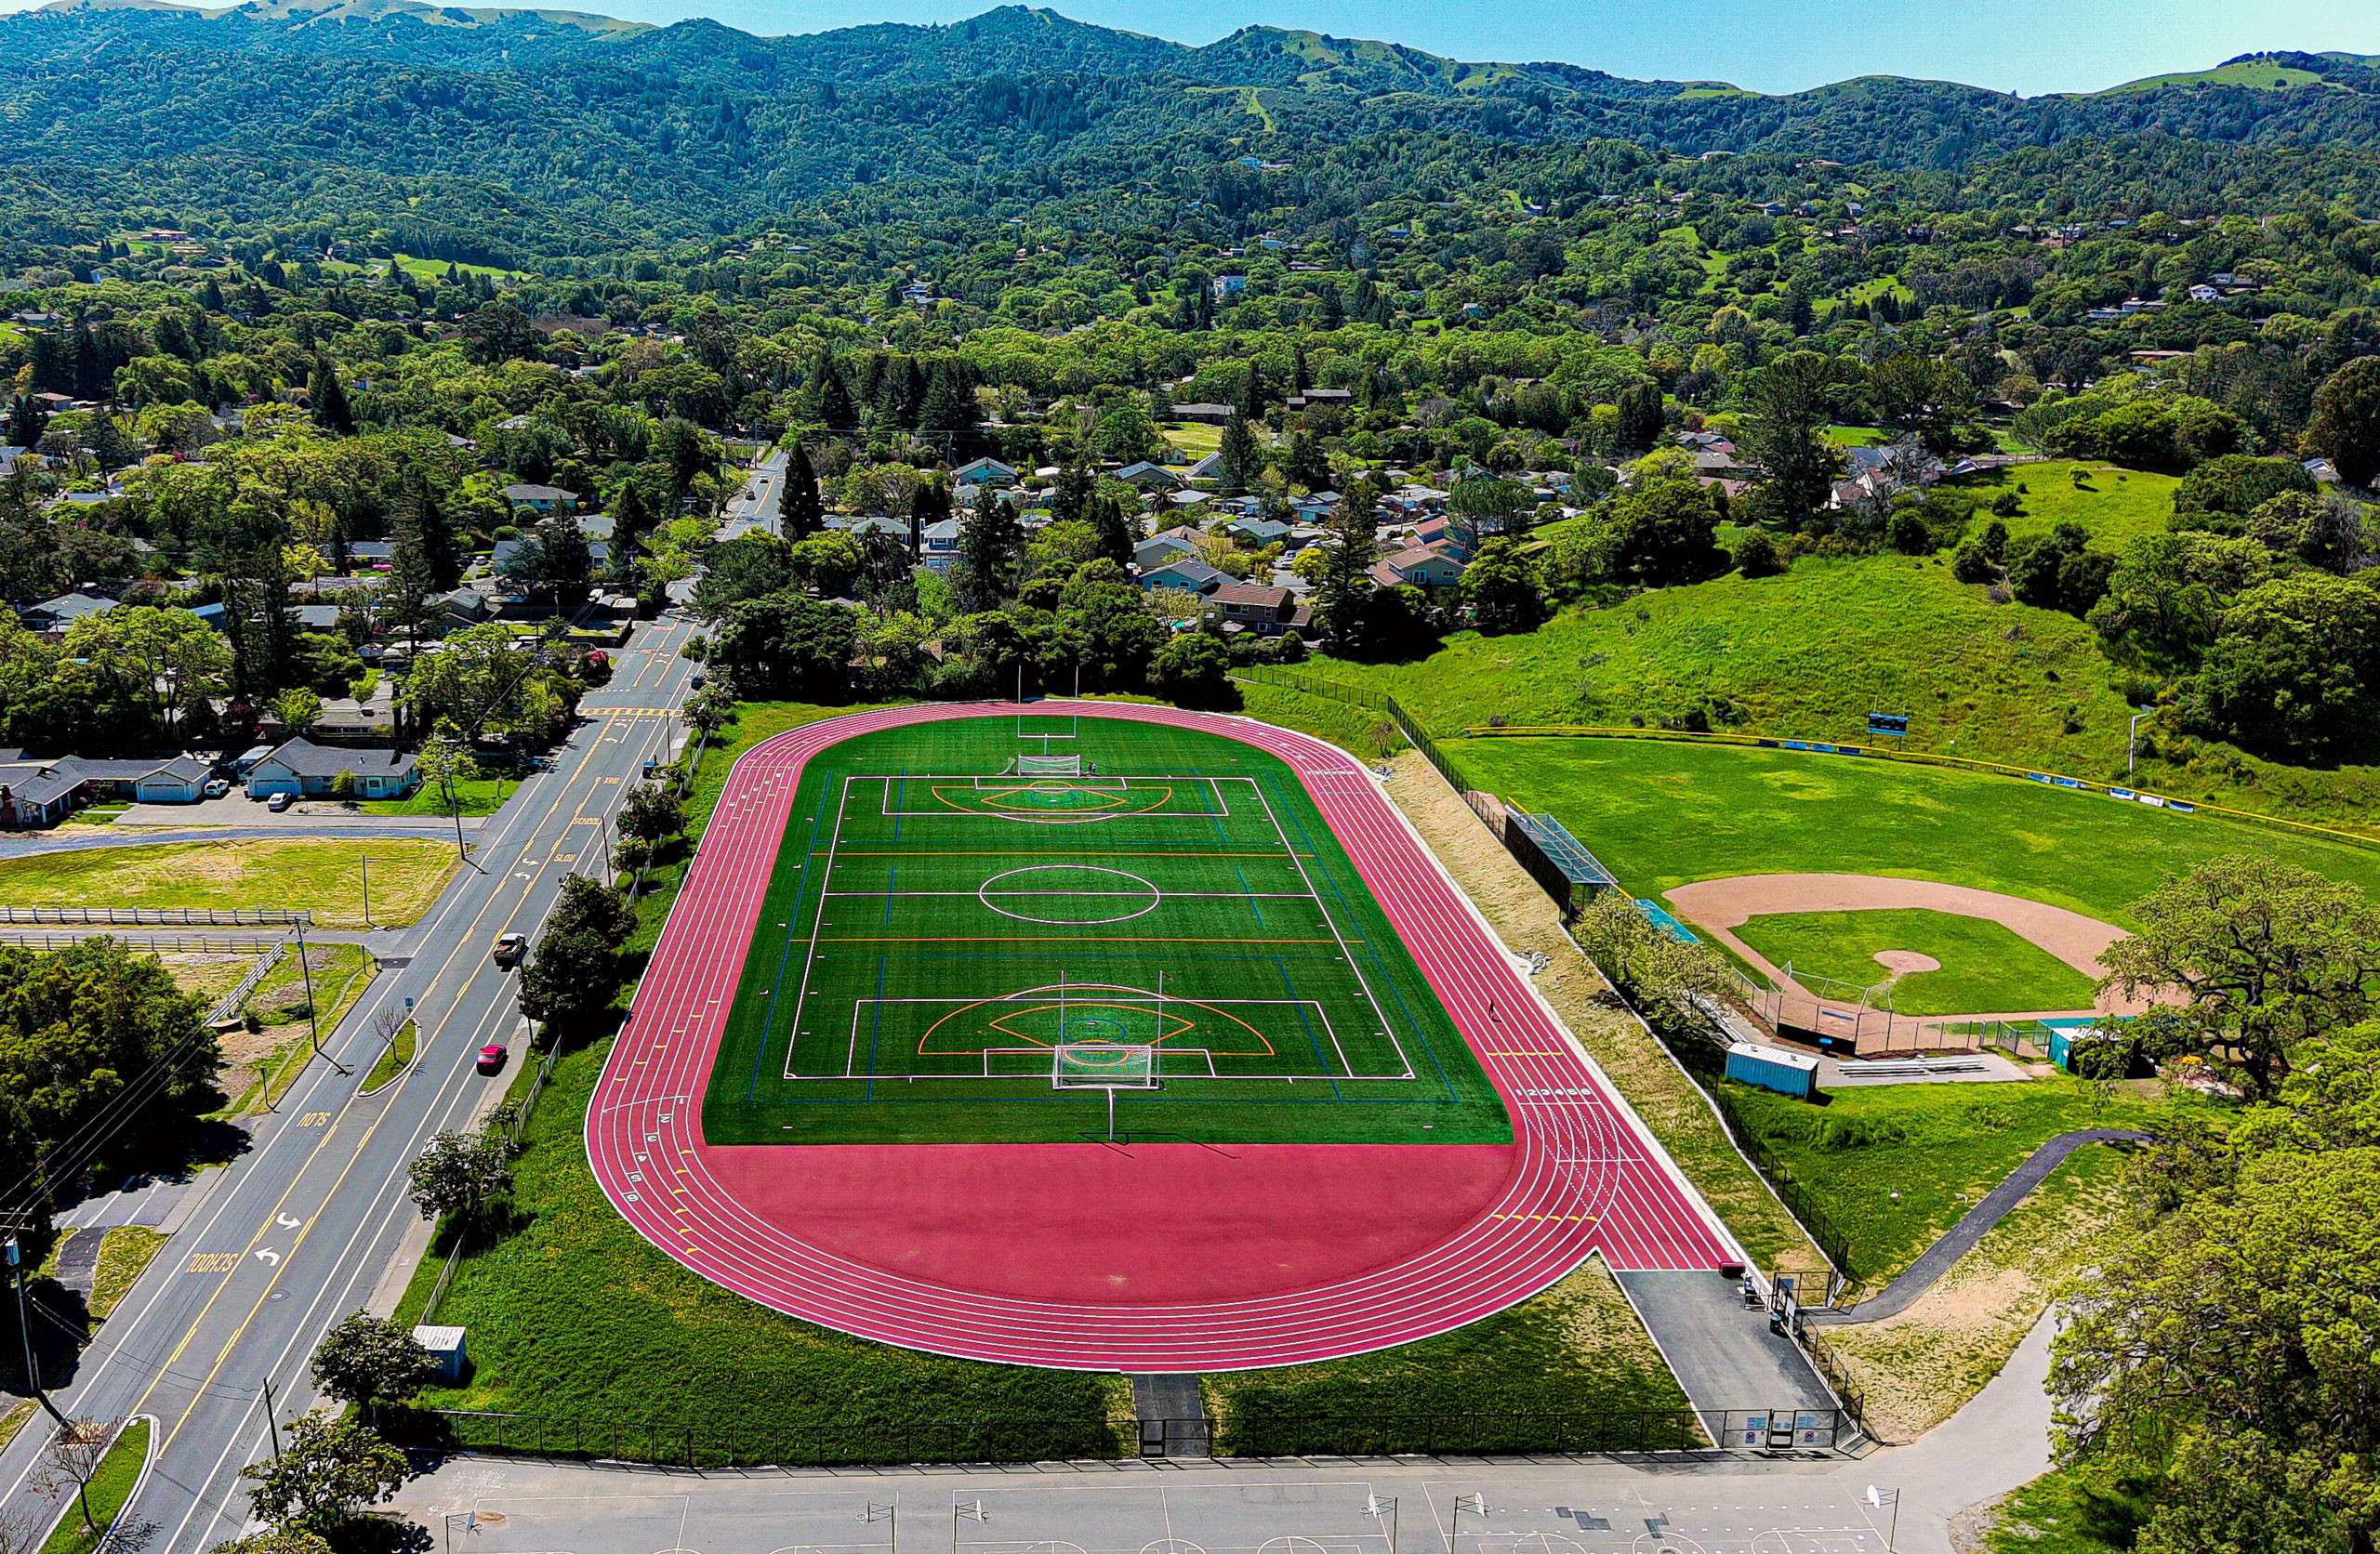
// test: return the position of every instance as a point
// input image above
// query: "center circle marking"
(1133, 896)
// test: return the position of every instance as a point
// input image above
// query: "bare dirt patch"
(1905, 963)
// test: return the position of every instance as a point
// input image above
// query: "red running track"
(1159, 1259)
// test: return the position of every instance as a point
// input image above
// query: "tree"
(2223, 1352)
(631, 519)
(1756, 555)
(327, 1472)
(2268, 956)
(1501, 588)
(1192, 669)
(2294, 671)
(752, 565)
(366, 1360)
(949, 403)
(295, 1541)
(651, 814)
(462, 1174)
(1791, 402)
(1345, 589)
(990, 540)
(2346, 427)
(1241, 459)
(801, 510)
(298, 709)
(477, 687)
(831, 406)
(1665, 532)
(328, 399)
(2220, 493)
(575, 972)
(787, 644)
(73, 1460)
(1639, 426)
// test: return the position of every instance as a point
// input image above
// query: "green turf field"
(1662, 813)
(1986, 968)
(1168, 943)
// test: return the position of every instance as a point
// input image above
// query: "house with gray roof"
(305, 770)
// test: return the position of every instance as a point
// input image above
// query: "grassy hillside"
(2258, 74)
(1810, 653)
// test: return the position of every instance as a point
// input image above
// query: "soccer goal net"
(1048, 765)
(1098, 1066)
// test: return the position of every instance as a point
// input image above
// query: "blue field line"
(875, 1022)
(1370, 953)
(891, 888)
(802, 888)
(1310, 1039)
(1253, 904)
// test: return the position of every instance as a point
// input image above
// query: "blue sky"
(2027, 46)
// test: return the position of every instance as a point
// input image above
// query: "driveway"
(235, 809)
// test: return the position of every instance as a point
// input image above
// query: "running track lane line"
(1584, 1180)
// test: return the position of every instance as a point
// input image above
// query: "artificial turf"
(956, 942)
(1986, 968)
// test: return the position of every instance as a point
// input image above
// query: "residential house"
(307, 770)
(57, 614)
(1229, 285)
(528, 496)
(941, 540)
(1257, 532)
(1208, 414)
(36, 794)
(1259, 608)
(1158, 549)
(981, 472)
(1186, 574)
(1428, 566)
(1208, 468)
(1148, 477)
(180, 780)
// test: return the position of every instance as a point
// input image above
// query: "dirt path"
(1719, 906)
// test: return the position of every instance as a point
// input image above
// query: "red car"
(492, 1057)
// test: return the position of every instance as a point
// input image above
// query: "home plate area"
(961, 1044)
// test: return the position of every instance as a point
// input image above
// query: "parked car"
(597, 666)
(217, 787)
(510, 947)
(280, 801)
(492, 1057)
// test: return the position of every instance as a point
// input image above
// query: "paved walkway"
(78, 838)
(1960, 1239)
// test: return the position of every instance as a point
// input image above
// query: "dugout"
(1556, 859)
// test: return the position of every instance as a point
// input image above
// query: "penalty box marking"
(980, 784)
(1101, 995)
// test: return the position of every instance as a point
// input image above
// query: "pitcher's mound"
(1906, 963)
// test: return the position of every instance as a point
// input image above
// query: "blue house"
(1186, 574)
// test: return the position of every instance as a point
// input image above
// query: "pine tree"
(27, 421)
(1334, 312)
(1116, 529)
(1252, 392)
(835, 410)
(1240, 458)
(801, 511)
(1298, 382)
(1344, 594)
(631, 518)
(989, 542)
(949, 403)
(331, 413)
(1070, 497)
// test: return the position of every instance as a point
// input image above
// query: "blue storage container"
(1774, 1067)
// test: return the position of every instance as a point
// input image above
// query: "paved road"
(296, 1234)
(1674, 1505)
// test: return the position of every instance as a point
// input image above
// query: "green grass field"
(1663, 812)
(270, 872)
(1986, 968)
(1173, 944)
(1188, 442)
(1897, 1165)
(1568, 1368)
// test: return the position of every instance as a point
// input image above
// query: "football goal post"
(1048, 766)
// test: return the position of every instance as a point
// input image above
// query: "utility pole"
(271, 1423)
(314, 1013)
(25, 1330)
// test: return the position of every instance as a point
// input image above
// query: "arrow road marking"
(269, 1254)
